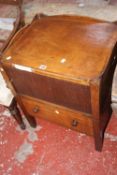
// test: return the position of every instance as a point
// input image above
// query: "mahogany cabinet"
(61, 69)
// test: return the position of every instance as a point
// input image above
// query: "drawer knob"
(74, 123)
(36, 109)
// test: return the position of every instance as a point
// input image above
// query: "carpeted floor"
(50, 149)
(54, 150)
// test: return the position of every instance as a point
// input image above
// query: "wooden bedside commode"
(61, 68)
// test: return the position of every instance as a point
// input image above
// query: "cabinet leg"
(98, 136)
(16, 113)
(31, 120)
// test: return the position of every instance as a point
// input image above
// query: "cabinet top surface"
(67, 45)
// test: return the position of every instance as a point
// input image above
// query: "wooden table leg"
(31, 120)
(15, 112)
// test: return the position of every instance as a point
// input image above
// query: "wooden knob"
(36, 109)
(74, 123)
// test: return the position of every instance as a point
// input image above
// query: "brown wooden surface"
(58, 114)
(12, 2)
(47, 88)
(85, 44)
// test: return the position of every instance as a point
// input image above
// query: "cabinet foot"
(98, 136)
(98, 143)
(15, 112)
(31, 120)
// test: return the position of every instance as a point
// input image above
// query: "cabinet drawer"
(58, 114)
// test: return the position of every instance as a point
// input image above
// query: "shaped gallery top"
(70, 46)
